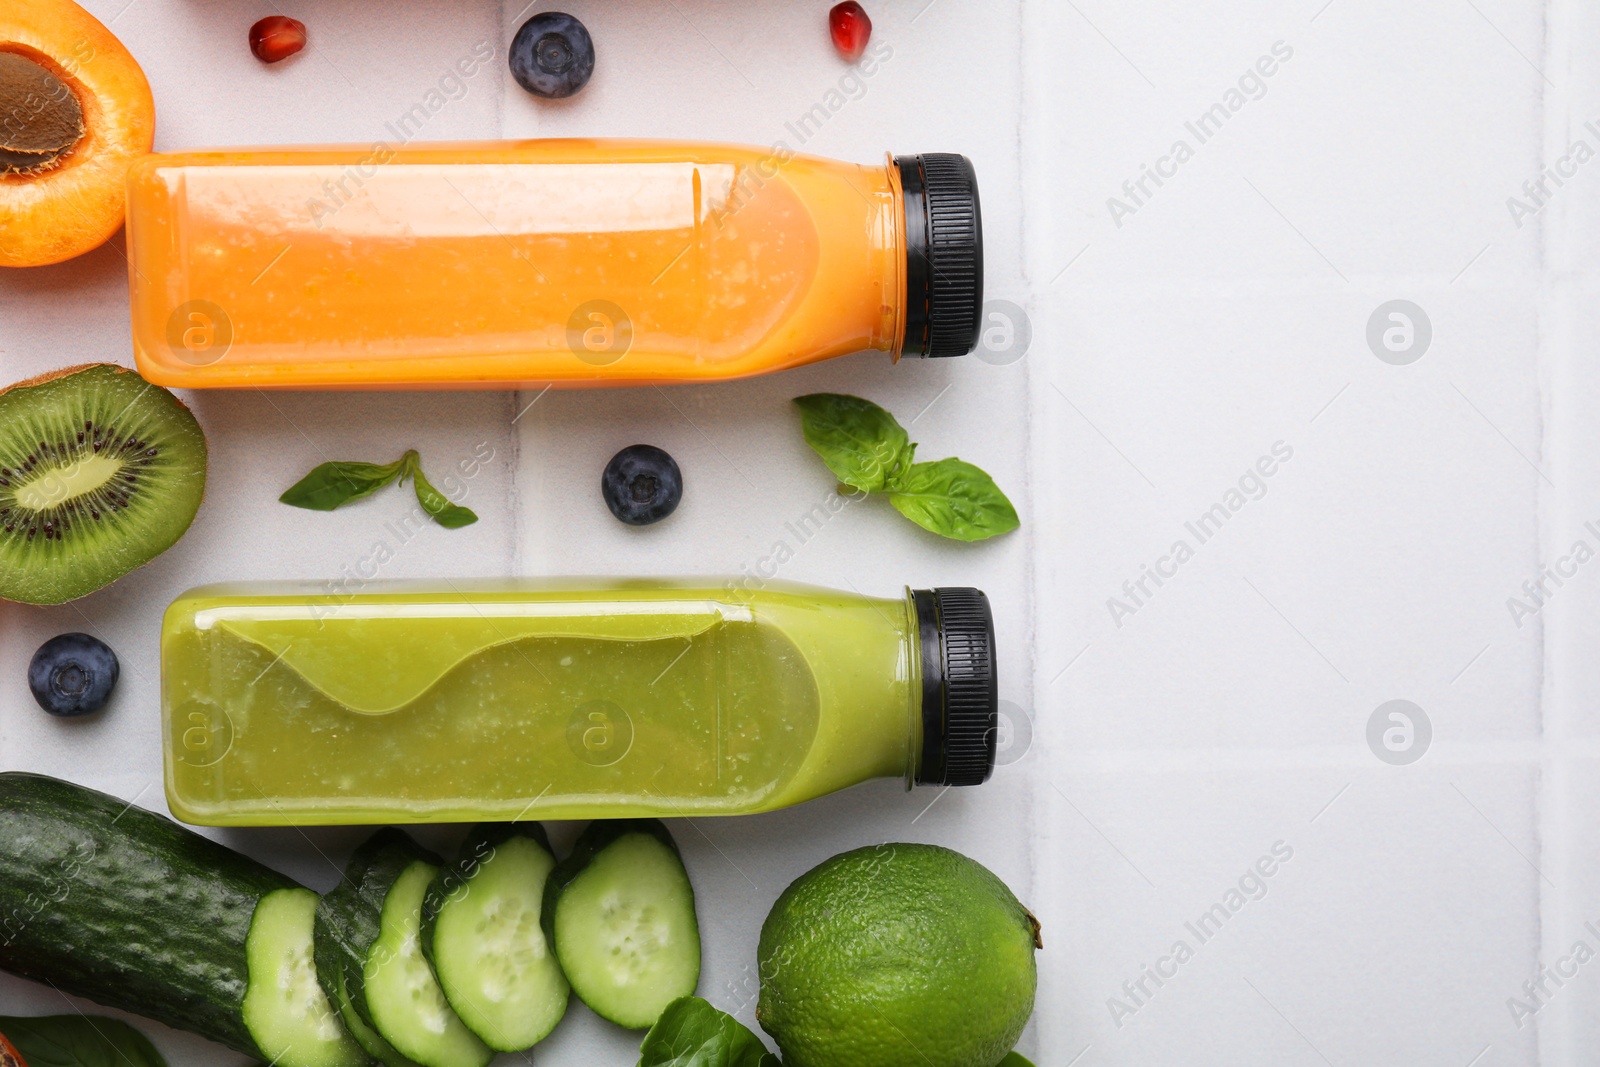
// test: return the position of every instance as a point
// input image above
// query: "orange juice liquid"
(508, 264)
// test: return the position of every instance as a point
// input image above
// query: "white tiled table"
(1177, 338)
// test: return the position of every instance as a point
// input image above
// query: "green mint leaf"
(333, 485)
(691, 1033)
(80, 1041)
(954, 499)
(868, 450)
(862, 444)
(1014, 1060)
(435, 503)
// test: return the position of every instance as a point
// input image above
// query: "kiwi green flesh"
(41, 119)
(100, 472)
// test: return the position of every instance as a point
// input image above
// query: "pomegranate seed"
(851, 29)
(277, 37)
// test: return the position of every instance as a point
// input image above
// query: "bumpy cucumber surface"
(369, 950)
(481, 929)
(620, 912)
(127, 908)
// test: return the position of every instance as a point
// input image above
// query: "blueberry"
(73, 674)
(552, 55)
(642, 484)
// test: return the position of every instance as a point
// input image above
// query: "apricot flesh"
(75, 111)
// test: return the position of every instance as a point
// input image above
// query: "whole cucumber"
(107, 901)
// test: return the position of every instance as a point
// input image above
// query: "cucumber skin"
(478, 846)
(349, 916)
(125, 907)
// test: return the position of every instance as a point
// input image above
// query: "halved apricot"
(75, 111)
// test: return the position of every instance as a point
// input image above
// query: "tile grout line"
(1550, 825)
(519, 555)
(1031, 593)
(1027, 13)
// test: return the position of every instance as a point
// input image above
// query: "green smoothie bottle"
(456, 702)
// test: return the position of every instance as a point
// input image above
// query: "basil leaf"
(954, 499)
(862, 444)
(435, 503)
(1014, 1060)
(80, 1041)
(333, 485)
(691, 1033)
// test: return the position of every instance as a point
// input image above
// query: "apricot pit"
(40, 118)
(75, 111)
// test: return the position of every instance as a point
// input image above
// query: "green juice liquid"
(288, 705)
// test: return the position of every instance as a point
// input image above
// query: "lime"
(895, 955)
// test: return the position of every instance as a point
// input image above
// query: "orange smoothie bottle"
(525, 263)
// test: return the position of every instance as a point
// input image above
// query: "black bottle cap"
(960, 691)
(944, 254)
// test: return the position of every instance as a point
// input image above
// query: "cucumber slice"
(482, 931)
(362, 1031)
(408, 1007)
(620, 912)
(369, 952)
(286, 1010)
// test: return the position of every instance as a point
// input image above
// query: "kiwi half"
(100, 473)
